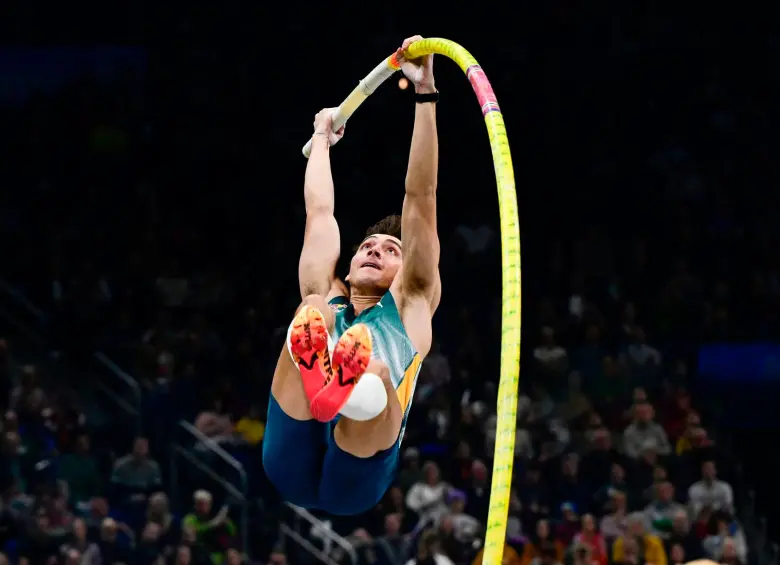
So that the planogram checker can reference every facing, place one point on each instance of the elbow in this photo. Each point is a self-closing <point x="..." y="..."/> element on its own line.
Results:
<point x="419" y="187"/>
<point x="319" y="208"/>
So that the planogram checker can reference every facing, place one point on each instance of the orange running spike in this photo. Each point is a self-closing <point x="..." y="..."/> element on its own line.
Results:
<point x="350" y="359"/>
<point x="309" y="346"/>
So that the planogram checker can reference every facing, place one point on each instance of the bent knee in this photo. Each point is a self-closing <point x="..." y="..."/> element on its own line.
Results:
<point x="379" y="368"/>
<point x="321" y="304"/>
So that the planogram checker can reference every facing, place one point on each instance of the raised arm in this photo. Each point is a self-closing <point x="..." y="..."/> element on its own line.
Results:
<point x="321" y="241"/>
<point x="418" y="218"/>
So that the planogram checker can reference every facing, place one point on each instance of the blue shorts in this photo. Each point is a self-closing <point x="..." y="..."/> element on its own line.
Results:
<point x="304" y="463"/>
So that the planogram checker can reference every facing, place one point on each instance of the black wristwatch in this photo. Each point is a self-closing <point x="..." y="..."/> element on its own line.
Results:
<point x="425" y="98"/>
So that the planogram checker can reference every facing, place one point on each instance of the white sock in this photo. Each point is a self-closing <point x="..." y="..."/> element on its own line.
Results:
<point x="368" y="399"/>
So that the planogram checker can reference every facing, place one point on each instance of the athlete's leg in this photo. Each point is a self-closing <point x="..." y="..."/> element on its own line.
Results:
<point x="362" y="457"/>
<point x="366" y="438"/>
<point x="294" y="443"/>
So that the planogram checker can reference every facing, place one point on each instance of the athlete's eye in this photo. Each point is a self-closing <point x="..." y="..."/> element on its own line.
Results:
<point x="391" y="250"/>
<point x="366" y="245"/>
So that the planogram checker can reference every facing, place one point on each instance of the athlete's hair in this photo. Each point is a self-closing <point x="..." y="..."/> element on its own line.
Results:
<point x="391" y="225"/>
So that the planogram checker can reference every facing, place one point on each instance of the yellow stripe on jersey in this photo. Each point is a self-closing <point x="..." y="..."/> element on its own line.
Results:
<point x="405" y="389"/>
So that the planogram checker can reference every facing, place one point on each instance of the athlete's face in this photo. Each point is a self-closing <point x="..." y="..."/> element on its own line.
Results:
<point x="376" y="263"/>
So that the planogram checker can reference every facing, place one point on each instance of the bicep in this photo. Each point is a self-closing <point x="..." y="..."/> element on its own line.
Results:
<point x="321" y="248"/>
<point x="421" y="248"/>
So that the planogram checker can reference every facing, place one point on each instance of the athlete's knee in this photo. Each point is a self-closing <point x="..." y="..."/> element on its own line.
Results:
<point x="380" y="368"/>
<point x="321" y="304"/>
<point x="371" y="396"/>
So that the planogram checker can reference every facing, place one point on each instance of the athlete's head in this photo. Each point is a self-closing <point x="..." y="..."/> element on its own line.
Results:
<point x="378" y="258"/>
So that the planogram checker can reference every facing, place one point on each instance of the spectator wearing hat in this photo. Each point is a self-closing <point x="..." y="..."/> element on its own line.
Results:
<point x="569" y="487"/>
<point x="568" y="527"/>
<point x="465" y="527"/>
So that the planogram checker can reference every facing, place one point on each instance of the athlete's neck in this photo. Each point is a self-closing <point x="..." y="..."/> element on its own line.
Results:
<point x="362" y="302"/>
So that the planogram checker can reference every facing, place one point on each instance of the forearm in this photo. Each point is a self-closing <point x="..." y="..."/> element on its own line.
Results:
<point x="318" y="183"/>
<point x="421" y="176"/>
<point x="321" y="242"/>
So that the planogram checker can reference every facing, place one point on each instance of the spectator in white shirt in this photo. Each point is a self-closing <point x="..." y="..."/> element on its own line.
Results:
<point x="428" y="497"/>
<point x="643" y="430"/>
<point x="709" y="491"/>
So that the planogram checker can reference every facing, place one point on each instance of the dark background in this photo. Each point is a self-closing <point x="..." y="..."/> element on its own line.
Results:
<point x="644" y="144"/>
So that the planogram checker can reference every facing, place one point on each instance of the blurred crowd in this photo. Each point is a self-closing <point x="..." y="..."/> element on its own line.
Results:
<point x="150" y="224"/>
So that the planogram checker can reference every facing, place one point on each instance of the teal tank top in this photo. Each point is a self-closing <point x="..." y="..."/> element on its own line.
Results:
<point x="390" y="343"/>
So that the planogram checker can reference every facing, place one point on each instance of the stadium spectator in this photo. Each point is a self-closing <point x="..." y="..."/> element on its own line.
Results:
<point x="392" y="546"/>
<point x="136" y="475"/>
<point x="191" y="548"/>
<point x="730" y="553"/>
<point x="88" y="551"/>
<point x="158" y="512"/>
<point x="677" y="554"/>
<point x="429" y="551"/>
<point x="569" y="525"/>
<point x="660" y="513"/>
<point x="216" y="531"/>
<point x="80" y="471"/>
<point x="644" y="432"/>
<point x="682" y="536"/>
<point x="427" y="497"/>
<point x="28" y="398"/>
<point x="251" y="426"/>
<point x="625" y="548"/>
<point x="540" y="540"/>
<point x="709" y="491"/>
<point x="615" y="524"/>
<point x="725" y="530"/>
<point x="410" y="471"/>
<point x="113" y="547"/>
<point x="590" y="538"/>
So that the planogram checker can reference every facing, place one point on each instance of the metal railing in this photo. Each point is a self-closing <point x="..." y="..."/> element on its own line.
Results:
<point x="129" y="400"/>
<point x="323" y="531"/>
<point x="208" y="471"/>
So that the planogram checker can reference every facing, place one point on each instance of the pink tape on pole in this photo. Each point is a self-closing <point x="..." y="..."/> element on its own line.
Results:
<point x="483" y="90"/>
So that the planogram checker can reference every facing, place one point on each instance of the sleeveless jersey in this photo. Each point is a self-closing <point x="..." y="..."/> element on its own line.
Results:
<point x="390" y="344"/>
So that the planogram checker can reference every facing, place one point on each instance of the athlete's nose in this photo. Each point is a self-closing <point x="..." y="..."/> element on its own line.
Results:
<point x="375" y="251"/>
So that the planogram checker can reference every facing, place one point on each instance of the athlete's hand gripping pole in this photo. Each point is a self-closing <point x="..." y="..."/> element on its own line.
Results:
<point x="363" y="90"/>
